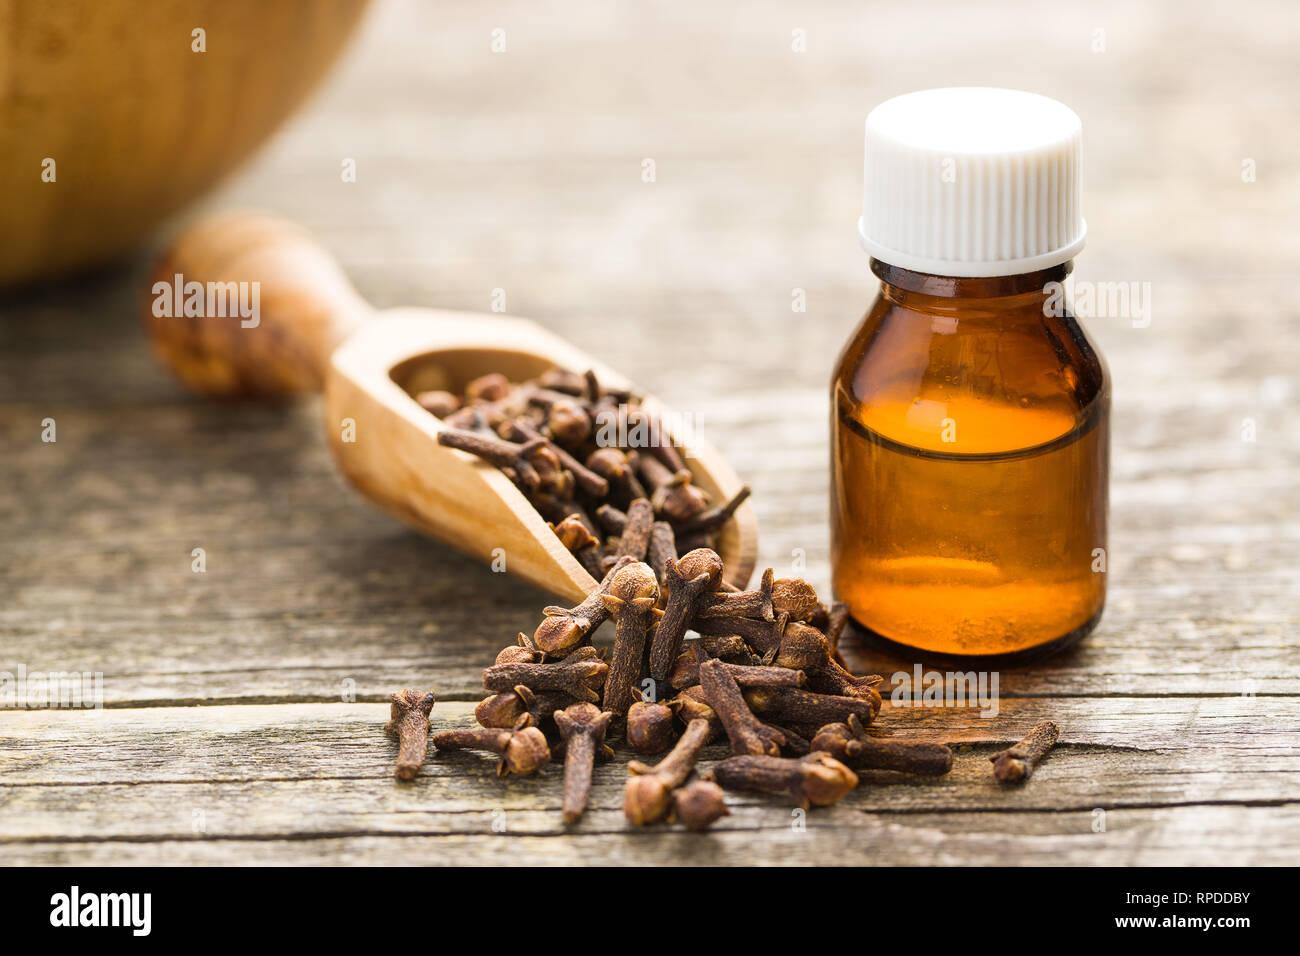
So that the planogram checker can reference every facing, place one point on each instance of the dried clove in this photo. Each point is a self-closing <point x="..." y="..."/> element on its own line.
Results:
<point x="730" y="648"/>
<point x="817" y="779"/>
<point x="568" y="423"/>
<point x="562" y="380"/>
<point x="748" y="604"/>
<point x="763" y="636"/>
<point x="686" y="669"/>
<point x="683" y="593"/>
<point x="506" y="709"/>
<point x="711" y="519"/>
<point x="523" y="749"/>
<point x="576" y="447"/>
<point x="848" y="743"/>
<point x="617" y="469"/>
<point x="661" y="549"/>
<point x="517" y="430"/>
<point x="663" y="449"/>
<point x="611" y="519"/>
<point x="649" y="727"/>
<point x="580" y="542"/>
<point x="488" y="388"/>
<point x="806" y="648"/>
<point x="796" y="744"/>
<point x="804" y="707"/>
<point x="578" y="675"/>
<point x="534" y="463"/>
<point x="649" y="790"/>
<point x="1017" y="763"/>
<point x="438" y="403"/>
<point x="671" y="491"/>
<point x="747" y="733"/>
<point x="690" y="705"/>
<point x="686" y="672"/>
<point x="633" y="591"/>
<point x="582" y="727"/>
<point x="796" y="597"/>
<point x="636" y="531"/>
<point x="409" y="722"/>
<point x="698" y="805"/>
<point x="702" y="561"/>
<point x="519" y="653"/>
<point x="565" y="628"/>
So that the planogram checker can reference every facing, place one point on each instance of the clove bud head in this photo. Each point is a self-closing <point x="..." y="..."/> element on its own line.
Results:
<point x="527" y="752"/>
<point x="610" y="463"/>
<point x="438" y="403"/>
<point x="491" y="387"/>
<point x="557" y="633"/>
<point x="701" y="561"/>
<point x="796" y="597"/>
<point x="698" y="804"/>
<point x="568" y="423"/>
<point x="517" y="654"/>
<point x="825" y="779"/>
<point x="649" y="727"/>
<point x="817" y="779"/>
<point x="802" y="647"/>
<point x="574" y="535"/>
<point x="646" y="799"/>
<point x="633" y="585"/>
<point x="506" y="709"/>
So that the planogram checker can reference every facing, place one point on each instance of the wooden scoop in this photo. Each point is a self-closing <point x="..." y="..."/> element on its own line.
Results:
<point x="314" y="331"/>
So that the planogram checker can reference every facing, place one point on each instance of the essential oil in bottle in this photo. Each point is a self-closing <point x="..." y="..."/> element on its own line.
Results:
<point x="970" y="411"/>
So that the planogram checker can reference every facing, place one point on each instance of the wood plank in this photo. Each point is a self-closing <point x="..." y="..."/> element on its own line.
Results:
<point x="1135" y="750"/>
<point x="305" y="782"/>
<point x="1182" y="836"/>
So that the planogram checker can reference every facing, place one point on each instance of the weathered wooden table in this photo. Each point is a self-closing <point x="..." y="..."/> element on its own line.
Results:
<point x="243" y="705"/>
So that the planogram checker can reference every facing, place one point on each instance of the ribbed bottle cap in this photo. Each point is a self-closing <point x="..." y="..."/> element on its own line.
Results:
<point x="971" y="181"/>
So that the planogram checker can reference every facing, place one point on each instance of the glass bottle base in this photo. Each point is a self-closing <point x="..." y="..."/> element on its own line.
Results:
<point x="1029" y="655"/>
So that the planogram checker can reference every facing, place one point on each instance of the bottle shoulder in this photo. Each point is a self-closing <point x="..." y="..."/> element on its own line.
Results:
<point x="970" y="377"/>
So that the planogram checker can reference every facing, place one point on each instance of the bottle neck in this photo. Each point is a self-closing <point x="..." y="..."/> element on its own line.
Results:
<point x="957" y="287"/>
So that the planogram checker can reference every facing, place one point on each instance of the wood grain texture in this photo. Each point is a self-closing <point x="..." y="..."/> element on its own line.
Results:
<point x="522" y="172"/>
<point x="314" y="782"/>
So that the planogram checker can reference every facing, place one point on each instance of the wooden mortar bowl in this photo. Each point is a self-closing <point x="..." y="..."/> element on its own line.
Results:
<point x="136" y="122"/>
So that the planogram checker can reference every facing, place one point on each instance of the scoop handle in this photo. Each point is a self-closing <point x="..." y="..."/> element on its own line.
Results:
<point x="249" y="304"/>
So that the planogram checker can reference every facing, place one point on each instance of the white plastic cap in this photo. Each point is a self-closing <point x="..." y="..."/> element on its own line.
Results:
<point x="971" y="181"/>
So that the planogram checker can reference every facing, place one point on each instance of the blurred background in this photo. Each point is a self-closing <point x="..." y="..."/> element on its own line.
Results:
<point x="502" y="146"/>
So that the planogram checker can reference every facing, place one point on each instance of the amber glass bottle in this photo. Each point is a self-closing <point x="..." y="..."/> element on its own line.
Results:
<point x="970" y="435"/>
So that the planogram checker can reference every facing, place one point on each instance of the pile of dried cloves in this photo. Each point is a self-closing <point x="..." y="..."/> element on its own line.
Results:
<point x="584" y="455"/>
<point x="764" y="670"/>
<point x="763" y="667"/>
